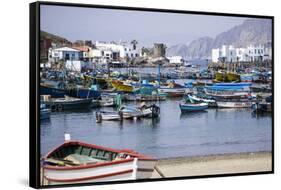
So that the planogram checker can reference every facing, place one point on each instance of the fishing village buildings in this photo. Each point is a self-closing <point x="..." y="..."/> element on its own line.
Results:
<point x="229" y="54"/>
<point x="79" y="55"/>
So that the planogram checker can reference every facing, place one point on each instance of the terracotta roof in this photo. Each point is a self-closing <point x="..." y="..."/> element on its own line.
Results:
<point x="82" y="48"/>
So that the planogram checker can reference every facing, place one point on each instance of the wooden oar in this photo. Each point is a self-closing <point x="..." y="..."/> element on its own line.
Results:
<point x="159" y="172"/>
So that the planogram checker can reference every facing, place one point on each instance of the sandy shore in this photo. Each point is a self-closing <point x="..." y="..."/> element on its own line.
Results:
<point x="216" y="164"/>
<point x="208" y="165"/>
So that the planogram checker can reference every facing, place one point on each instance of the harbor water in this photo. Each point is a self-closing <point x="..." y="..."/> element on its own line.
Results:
<point x="215" y="131"/>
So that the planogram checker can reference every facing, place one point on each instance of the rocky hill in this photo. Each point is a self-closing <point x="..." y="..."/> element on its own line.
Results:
<point x="251" y="31"/>
<point x="54" y="38"/>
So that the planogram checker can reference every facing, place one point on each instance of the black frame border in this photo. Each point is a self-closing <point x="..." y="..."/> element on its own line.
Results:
<point x="34" y="86"/>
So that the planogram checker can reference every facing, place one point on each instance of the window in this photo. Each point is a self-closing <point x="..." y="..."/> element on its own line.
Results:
<point x="136" y="55"/>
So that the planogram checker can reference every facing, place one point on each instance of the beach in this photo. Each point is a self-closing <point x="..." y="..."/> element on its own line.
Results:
<point x="214" y="164"/>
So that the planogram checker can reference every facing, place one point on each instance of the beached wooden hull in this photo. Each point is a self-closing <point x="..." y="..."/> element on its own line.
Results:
<point x="234" y="104"/>
<point x="137" y="166"/>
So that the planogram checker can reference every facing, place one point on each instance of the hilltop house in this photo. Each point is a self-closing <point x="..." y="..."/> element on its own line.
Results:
<point x="64" y="53"/>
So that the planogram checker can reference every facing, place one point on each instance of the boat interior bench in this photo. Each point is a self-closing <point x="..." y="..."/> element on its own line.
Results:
<point x="79" y="155"/>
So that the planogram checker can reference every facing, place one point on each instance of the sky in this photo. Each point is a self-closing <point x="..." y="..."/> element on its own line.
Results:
<point x="77" y="23"/>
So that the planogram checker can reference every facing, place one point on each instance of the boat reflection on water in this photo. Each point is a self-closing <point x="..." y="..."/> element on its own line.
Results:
<point x="188" y="115"/>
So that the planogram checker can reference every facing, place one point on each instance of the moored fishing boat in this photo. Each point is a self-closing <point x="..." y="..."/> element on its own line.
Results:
<point x="130" y="112"/>
<point x="172" y="89"/>
<point x="67" y="103"/>
<point x="195" y="98"/>
<point x="108" y="116"/>
<point x="261" y="107"/>
<point x="57" y="92"/>
<point x="227" y="94"/>
<point x="79" y="162"/>
<point x="44" y="112"/>
<point x="226" y="77"/>
<point x="232" y="84"/>
<point x="121" y="86"/>
<point x="190" y="107"/>
<point x="234" y="104"/>
<point x="151" y="111"/>
<point x="154" y="97"/>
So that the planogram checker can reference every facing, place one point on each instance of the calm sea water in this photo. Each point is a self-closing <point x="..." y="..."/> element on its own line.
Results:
<point x="216" y="131"/>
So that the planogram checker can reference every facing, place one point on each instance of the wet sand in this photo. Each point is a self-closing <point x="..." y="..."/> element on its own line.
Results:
<point x="215" y="164"/>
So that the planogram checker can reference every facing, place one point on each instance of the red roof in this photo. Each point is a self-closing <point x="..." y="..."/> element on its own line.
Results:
<point x="82" y="48"/>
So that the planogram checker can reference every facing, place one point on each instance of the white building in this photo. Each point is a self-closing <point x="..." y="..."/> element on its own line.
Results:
<point x="117" y="51"/>
<point x="64" y="53"/>
<point x="175" y="59"/>
<point x="78" y="65"/>
<point x="256" y="53"/>
<point x="230" y="54"/>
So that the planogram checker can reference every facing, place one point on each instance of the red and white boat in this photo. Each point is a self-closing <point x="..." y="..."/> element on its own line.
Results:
<point x="79" y="162"/>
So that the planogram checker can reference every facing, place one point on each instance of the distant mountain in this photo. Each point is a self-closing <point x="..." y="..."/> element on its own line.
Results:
<point x="54" y="38"/>
<point x="251" y="31"/>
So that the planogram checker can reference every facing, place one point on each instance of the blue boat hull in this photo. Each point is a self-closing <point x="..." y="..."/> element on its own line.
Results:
<point x="60" y="93"/>
<point x="191" y="108"/>
<point x="233" y="84"/>
<point x="45" y="114"/>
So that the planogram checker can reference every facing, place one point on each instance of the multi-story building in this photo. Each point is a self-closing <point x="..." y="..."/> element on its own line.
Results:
<point x="64" y="53"/>
<point x="228" y="54"/>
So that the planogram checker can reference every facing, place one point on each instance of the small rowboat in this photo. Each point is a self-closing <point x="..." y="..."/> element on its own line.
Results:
<point x="195" y="99"/>
<point x="130" y="112"/>
<point x="189" y="107"/>
<point x="107" y="116"/>
<point x="79" y="162"/>
<point x="234" y="104"/>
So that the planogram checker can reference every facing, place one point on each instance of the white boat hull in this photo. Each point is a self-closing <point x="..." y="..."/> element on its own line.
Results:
<point x="130" y="169"/>
<point x="234" y="104"/>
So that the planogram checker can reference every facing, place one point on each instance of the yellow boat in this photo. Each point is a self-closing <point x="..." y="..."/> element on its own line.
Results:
<point x="227" y="77"/>
<point x="120" y="86"/>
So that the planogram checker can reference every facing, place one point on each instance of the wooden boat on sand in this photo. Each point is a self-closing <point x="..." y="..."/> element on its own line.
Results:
<point x="78" y="162"/>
